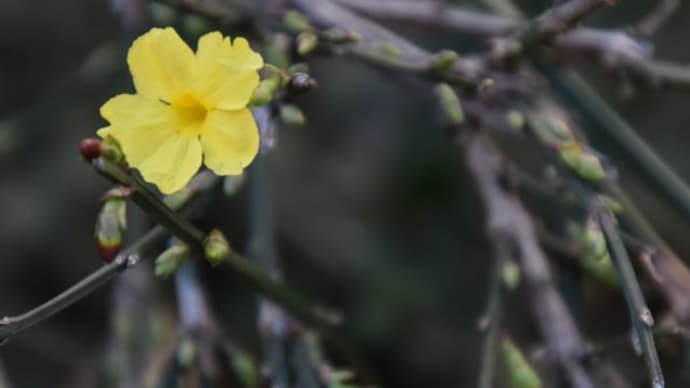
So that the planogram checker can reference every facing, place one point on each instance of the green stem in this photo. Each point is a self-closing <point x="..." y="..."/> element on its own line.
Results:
<point x="493" y="314"/>
<point x="600" y="113"/>
<point x="10" y="326"/>
<point x="640" y="315"/>
<point x="185" y="231"/>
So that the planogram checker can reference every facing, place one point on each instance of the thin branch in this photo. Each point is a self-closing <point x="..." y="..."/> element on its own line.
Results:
<point x="492" y="319"/>
<point x="640" y="315"/>
<point x="508" y="221"/>
<point x="663" y="11"/>
<point x="141" y="249"/>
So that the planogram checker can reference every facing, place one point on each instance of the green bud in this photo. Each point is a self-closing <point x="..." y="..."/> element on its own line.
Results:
<point x="246" y="370"/>
<point x="306" y="42"/>
<point x="168" y="262"/>
<point x="111" y="150"/>
<point x="520" y="372"/>
<point x="515" y="119"/>
<point x="195" y="25"/>
<point x="510" y="274"/>
<point x="292" y="115"/>
<point x="299" y="67"/>
<point x="232" y="184"/>
<point x="611" y="204"/>
<point x="263" y="94"/>
<point x="444" y="60"/>
<point x="110" y="226"/>
<point x="296" y="22"/>
<point x="341" y="36"/>
<point x="585" y="164"/>
<point x="450" y="103"/>
<point x="186" y="352"/>
<point x="595" y="258"/>
<point x="216" y="247"/>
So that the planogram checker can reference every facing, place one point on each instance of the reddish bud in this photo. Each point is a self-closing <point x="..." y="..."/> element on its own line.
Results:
<point x="90" y="148"/>
<point x="108" y="254"/>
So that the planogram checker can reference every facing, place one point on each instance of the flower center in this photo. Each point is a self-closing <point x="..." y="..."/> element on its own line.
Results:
<point x="189" y="112"/>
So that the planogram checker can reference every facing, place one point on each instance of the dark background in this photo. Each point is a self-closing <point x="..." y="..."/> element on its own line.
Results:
<point x="374" y="212"/>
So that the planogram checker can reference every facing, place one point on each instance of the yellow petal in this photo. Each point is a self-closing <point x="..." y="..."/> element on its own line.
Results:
<point x="226" y="74"/>
<point x="230" y="141"/>
<point x="160" y="63"/>
<point x="138" y="123"/>
<point x="150" y="142"/>
<point x="174" y="162"/>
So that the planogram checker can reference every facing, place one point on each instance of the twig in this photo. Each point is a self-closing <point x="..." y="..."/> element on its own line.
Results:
<point x="595" y="109"/>
<point x="663" y="10"/>
<point x="640" y="315"/>
<point x="142" y="248"/>
<point x="4" y="382"/>
<point x="557" y="19"/>
<point x="508" y="221"/>
<point x="10" y="326"/>
<point x="490" y="349"/>
<point x="611" y="44"/>
<point x="278" y="292"/>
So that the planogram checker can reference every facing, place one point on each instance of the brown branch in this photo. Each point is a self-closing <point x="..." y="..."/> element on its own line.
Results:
<point x="610" y="44"/>
<point x="508" y="223"/>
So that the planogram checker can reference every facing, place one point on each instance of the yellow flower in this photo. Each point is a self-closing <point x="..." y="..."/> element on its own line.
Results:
<point x="186" y="105"/>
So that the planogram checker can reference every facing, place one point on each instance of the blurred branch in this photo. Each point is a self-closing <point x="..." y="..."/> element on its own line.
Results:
<point x="492" y="319"/>
<point x="213" y="352"/>
<point x="509" y="223"/>
<point x="4" y="382"/>
<point x="662" y="11"/>
<point x="142" y="248"/>
<point x="640" y="315"/>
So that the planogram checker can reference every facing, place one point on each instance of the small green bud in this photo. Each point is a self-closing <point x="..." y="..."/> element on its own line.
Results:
<point x="585" y="164"/>
<point x="111" y="150"/>
<point x="232" y="184"/>
<point x="292" y="115"/>
<point x="520" y="372"/>
<point x="186" y="352"/>
<point x="450" y="103"/>
<point x="195" y="25"/>
<point x="299" y="67"/>
<point x="443" y="60"/>
<point x="296" y="22"/>
<point x="246" y="370"/>
<point x="306" y="42"/>
<point x="595" y="256"/>
<point x="389" y="50"/>
<point x="515" y="119"/>
<point x="110" y="226"/>
<point x="341" y="36"/>
<point x="216" y="247"/>
<point x="168" y="262"/>
<point x="510" y="274"/>
<point x="611" y="204"/>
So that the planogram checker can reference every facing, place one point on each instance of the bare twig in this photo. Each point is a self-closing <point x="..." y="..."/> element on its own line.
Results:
<point x="492" y="319"/>
<point x="9" y="326"/>
<point x="640" y="315"/>
<point x="663" y="10"/>
<point x="509" y="222"/>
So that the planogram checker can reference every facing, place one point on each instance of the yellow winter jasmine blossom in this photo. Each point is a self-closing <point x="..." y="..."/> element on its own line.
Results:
<point x="186" y="105"/>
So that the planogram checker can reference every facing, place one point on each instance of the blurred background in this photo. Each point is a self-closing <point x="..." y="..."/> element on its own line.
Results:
<point x="374" y="212"/>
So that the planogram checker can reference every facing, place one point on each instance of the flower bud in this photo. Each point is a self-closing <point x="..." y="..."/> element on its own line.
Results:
<point x="171" y="259"/>
<point x="520" y="372"/>
<point x="450" y="103"/>
<point x="90" y="148"/>
<point x="292" y="115"/>
<point x="296" y="22"/>
<point x="444" y="60"/>
<point x="301" y="82"/>
<point x="216" y="247"/>
<point x="306" y="42"/>
<point x="341" y="36"/>
<point x="110" y="227"/>
<point x="584" y="163"/>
